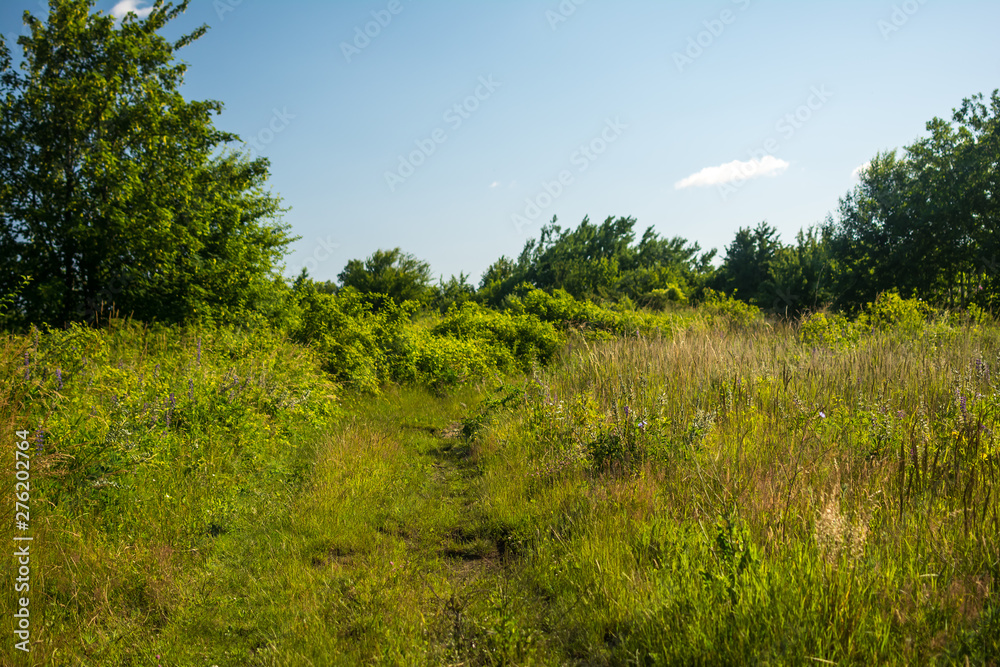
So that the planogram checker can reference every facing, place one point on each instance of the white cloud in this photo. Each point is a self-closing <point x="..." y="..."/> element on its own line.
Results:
<point x="734" y="171"/>
<point x="859" y="169"/>
<point x="495" y="184"/>
<point x="126" y="6"/>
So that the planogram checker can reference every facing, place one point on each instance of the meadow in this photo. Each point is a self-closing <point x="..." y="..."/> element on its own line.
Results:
<point x="557" y="483"/>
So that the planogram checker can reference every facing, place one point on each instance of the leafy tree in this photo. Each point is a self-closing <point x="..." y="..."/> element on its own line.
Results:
<point x="746" y="266"/>
<point x="798" y="276"/>
<point x="667" y="264"/>
<point x="926" y="222"/>
<point x="114" y="188"/>
<point x="453" y="292"/>
<point x="498" y="281"/>
<point x="398" y="275"/>
<point x="599" y="262"/>
<point x="586" y="261"/>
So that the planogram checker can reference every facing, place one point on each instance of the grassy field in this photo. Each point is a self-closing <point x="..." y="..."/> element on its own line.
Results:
<point x="726" y="491"/>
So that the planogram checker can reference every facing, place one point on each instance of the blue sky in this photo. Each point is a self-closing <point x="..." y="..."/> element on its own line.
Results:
<point x="456" y="130"/>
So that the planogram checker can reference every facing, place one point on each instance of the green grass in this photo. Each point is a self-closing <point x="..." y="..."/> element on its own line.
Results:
<point x="727" y="497"/>
<point x="724" y="490"/>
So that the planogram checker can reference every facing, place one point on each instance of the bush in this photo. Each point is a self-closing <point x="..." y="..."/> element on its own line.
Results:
<point x="353" y="333"/>
<point x="889" y="311"/>
<point x="367" y="340"/>
<point x="828" y="329"/>
<point x="736" y="313"/>
<point x="658" y="299"/>
<point x="525" y="337"/>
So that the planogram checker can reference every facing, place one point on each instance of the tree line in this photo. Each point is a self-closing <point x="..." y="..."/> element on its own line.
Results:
<point x="117" y="192"/>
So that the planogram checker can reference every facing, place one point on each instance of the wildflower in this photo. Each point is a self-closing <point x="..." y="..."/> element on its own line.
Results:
<point x="59" y="378"/>
<point x="27" y="367"/>
<point x="822" y="415"/>
<point x="190" y="389"/>
<point x="626" y="411"/>
<point x="641" y="425"/>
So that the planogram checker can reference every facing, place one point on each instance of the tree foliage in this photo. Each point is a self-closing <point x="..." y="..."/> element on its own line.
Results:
<point x="115" y="189"/>
<point x="926" y="221"/>
<point x="394" y="273"/>
<point x="600" y="262"/>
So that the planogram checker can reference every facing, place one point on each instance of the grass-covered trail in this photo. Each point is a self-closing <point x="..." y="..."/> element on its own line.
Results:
<point x="383" y="558"/>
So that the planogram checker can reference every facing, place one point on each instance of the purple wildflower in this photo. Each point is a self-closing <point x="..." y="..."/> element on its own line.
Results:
<point x="626" y="411"/>
<point x="27" y="367"/>
<point x="190" y="389"/>
<point x="59" y="378"/>
<point x="822" y="415"/>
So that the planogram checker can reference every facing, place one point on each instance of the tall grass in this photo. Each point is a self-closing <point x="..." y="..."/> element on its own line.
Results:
<point x="734" y="495"/>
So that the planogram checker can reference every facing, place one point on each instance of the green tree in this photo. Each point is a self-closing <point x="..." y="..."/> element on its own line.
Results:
<point x="398" y="275"/>
<point x="599" y="262"/>
<point x="115" y="189"/>
<point x="747" y="264"/>
<point x="453" y="292"/>
<point x="798" y="276"/>
<point x="498" y="281"/>
<point x="926" y="222"/>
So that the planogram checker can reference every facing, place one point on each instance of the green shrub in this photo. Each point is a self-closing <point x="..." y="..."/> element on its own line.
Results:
<point x="828" y="329"/>
<point x="889" y="311"/>
<point x="736" y="313"/>
<point x="523" y="336"/>
<point x="354" y="334"/>
<point x="659" y="299"/>
<point x="368" y="340"/>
